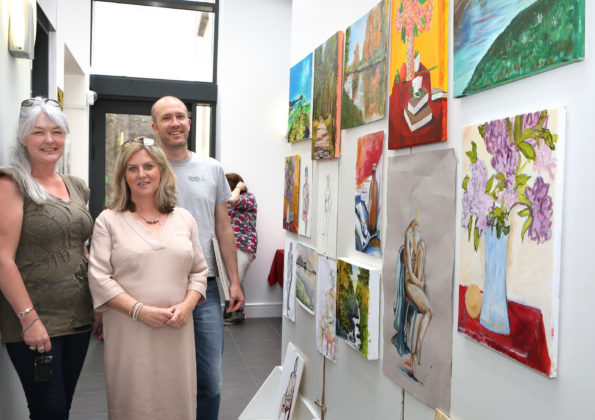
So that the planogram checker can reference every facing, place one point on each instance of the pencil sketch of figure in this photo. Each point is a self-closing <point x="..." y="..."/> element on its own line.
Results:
<point x="306" y="201"/>
<point x="289" y="279"/>
<point x="287" y="398"/>
<point x="328" y="204"/>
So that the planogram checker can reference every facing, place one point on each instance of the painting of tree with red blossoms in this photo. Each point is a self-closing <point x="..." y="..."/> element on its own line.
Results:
<point x="418" y="73"/>
<point x="511" y="236"/>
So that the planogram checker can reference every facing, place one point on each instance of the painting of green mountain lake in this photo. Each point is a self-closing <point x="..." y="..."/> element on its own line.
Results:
<point x="501" y="41"/>
<point x="365" y="67"/>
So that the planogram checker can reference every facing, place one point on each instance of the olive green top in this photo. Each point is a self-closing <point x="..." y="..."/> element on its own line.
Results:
<point x="51" y="261"/>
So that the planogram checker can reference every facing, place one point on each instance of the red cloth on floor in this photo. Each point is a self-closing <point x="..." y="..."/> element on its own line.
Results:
<point x="276" y="273"/>
<point x="526" y="341"/>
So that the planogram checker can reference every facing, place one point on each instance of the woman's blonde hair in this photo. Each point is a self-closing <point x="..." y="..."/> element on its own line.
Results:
<point x="165" y="197"/>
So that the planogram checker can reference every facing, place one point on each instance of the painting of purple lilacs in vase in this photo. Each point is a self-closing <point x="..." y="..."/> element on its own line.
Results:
<point x="510" y="235"/>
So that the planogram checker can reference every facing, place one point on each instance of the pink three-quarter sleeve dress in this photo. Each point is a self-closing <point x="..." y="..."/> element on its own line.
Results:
<point x="150" y="372"/>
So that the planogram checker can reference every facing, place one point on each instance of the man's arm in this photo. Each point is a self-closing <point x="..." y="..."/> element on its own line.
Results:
<point x="227" y="243"/>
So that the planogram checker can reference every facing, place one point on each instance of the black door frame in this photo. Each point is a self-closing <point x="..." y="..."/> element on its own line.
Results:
<point x="40" y="80"/>
<point x="130" y="95"/>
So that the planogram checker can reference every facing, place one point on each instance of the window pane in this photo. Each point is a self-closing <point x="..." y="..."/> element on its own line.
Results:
<point x="153" y="42"/>
<point x="202" y="125"/>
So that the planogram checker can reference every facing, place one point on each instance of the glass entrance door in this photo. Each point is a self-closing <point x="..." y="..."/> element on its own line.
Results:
<point x="118" y="129"/>
<point x="112" y="122"/>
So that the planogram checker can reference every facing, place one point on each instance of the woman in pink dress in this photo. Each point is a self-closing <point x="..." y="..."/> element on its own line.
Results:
<point x="147" y="272"/>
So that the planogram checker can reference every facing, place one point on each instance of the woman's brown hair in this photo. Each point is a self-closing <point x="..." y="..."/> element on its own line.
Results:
<point x="233" y="179"/>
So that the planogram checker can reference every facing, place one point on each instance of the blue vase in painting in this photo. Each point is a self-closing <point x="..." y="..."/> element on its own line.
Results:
<point x="494" y="307"/>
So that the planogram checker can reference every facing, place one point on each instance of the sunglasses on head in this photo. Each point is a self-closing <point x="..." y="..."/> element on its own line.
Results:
<point x="27" y="103"/>
<point x="145" y="141"/>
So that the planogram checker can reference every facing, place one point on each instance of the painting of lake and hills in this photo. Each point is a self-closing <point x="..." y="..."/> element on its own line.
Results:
<point x="365" y="68"/>
<point x="500" y="41"/>
<point x="305" y="287"/>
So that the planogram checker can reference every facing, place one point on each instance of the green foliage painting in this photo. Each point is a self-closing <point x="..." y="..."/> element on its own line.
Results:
<point x="358" y="292"/>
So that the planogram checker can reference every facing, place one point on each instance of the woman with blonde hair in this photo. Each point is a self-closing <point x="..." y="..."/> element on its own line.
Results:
<point x="46" y="314"/>
<point x="147" y="272"/>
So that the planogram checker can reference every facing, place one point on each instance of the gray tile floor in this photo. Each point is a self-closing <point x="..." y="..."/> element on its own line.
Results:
<point x="252" y="349"/>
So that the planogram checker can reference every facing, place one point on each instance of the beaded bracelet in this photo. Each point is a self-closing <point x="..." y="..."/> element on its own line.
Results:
<point x="28" y="325"/>
<point x="22" y="314"/>
<point x="137" y="311"/>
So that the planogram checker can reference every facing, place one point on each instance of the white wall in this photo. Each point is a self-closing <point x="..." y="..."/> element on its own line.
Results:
<point x="485" y="385"/>
<point x="253" y="80"/>
<point x="74" y="30"/>
<point x="15" y="82"/>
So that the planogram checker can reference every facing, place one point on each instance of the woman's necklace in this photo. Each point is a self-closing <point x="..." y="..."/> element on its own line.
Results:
<point x="146" y="219"/>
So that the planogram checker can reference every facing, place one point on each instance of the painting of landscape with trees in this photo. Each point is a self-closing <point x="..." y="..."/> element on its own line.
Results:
<point x="358" y="312"/>
<point x="326" y="120"/>
<point x="300" y="100"/>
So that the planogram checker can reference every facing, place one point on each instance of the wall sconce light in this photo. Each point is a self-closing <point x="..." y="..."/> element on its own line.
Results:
<point x="21" y="29"/>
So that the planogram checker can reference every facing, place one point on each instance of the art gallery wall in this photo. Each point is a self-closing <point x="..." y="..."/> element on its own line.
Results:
<point x="485" y="385"/>
<point x="253" y="80"/>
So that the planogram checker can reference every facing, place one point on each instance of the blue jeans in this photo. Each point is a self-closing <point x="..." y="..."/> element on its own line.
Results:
<point x="208" y="340"/>
<point x="51" y="400"/>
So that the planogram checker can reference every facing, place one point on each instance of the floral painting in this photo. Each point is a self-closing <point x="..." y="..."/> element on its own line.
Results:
<point x="306" y="264"/>
<point x="291" y="194"/>
<point x="418" y="73"/>
<point x="326" y="114"/>
<point x="365" y="68"/>
<point x="300" y="101"/>
<point x="368" y="190"/>
<point x="358" y="311"/>
<point x="500" y="41"/>
<point x="511" y="222"/>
